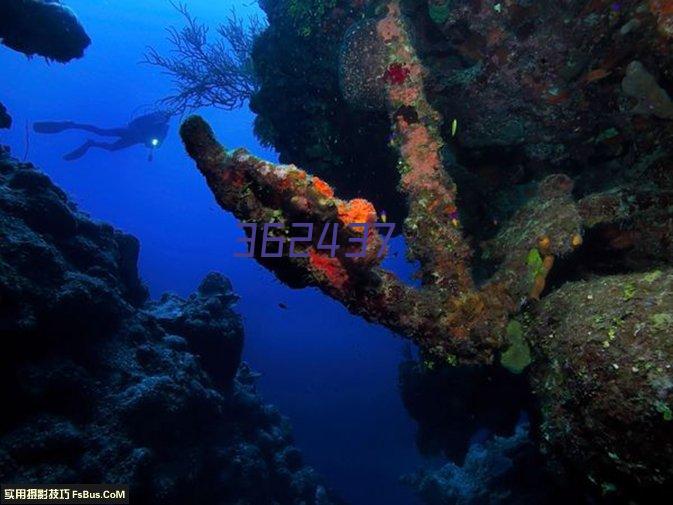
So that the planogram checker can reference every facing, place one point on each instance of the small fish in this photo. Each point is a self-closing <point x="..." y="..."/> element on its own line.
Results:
<point x="597" y="75"/>
<point x="454" y="127"/>
<point x="282" y="305"/>
<point x="383" y="216"/>
<point x="454" y="216"/>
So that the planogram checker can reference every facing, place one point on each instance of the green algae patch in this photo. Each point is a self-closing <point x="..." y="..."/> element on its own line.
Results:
<point x="652" y="276"/>
<point x="439" y="12"/>
<point x="661" y="321"/>
<point x="517" y="356"/>
<point x="664" y="410"/>
<point x="535" y="264"/>
<point x="629" y="292"/>
<point x="608" y="134"/>
<point x="309" y="14"/>
<point x="534" y="261"/>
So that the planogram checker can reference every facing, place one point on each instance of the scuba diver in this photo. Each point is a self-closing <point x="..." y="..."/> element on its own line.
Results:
<point x="150" y="130"/>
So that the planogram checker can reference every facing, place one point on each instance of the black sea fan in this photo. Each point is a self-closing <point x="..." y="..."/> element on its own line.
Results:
<point x="205" y="73"/>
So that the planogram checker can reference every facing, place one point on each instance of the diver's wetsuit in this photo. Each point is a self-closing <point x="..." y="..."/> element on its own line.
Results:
<point x="150" y="130"/>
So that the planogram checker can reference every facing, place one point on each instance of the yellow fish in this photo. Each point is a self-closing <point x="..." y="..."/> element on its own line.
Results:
<point x="454" y="127"/>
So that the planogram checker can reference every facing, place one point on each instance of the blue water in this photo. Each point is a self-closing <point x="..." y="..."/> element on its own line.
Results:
<point x="332" y="373"/>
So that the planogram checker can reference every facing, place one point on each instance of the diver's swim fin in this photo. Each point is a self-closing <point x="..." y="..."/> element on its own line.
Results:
<point x="52" y="126"/>
<point x="79" y="152"/>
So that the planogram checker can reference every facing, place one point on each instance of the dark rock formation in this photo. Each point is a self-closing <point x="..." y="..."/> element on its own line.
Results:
<point x="213" y="331"/>
<point x="604" y="380"/>
<point x="450" y="404"/>
<point x="99" y="387"/>
<point x="5" y="118"/>
<point x="301" y="110"/>
<point x="532" y="92"/>
<point x="43" y="27"/>
<point x="526" y="90"/>
<point x="503" y="470"/>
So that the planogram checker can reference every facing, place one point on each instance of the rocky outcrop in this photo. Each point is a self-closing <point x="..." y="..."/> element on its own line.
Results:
<point x="101" y="386"/>
<point x="312" y="125"/>
<point x="604" y="381"/>
<point x="42" y="27"/>
<point x="504" y="470"/>
<point x="206" y="320"/>
<point x="531" y="94"/>
<point x="557" y="133"/>
<point x="451" y="404"/>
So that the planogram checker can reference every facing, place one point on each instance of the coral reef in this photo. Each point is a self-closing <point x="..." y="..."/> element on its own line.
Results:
<point x="530" y="143"/>
<point x="259" y="191"/>
<point x="532" y="83"/>
<point x="504" y="470"/>
<point x="534" y="87"/>
<point x="206" y="321"/>
<point x="43" y="27"/>
<point x="472" y="327"/>
<point x="302" y="112"/>
<point x="604" y="374"/>
<point x="5" y="118"/>
<point x="101" y="386"/>
<point x="451" y="404"/>
<point x="362" y="61"/>
<point x="470" y="322"/>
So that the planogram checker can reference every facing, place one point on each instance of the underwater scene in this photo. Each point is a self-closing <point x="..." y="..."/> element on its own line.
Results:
<point x="329" y="252"/>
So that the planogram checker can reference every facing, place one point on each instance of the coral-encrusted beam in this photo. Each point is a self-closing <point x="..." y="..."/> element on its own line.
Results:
<point x="463" y="328"/>
<point x="433" y="226"/>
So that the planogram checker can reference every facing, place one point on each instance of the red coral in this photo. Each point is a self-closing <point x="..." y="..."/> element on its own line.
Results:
<point x="331" y="268"/>
<point x="396" y="74"/>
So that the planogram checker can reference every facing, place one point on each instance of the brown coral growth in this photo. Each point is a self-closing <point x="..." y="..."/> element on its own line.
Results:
<point x="449" y="317"/>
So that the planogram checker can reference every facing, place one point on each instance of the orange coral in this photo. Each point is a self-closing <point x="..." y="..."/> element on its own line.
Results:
<point x="576" y="241"/>
<point x="322" y="187"/>
<point x="421" y="152"/>
<point x="357" y="210"/>
<point x="538" y="287"/>
<point x="388" y="28"/>
<point x="298" y="174"/>
<point x="330" y="268"/>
